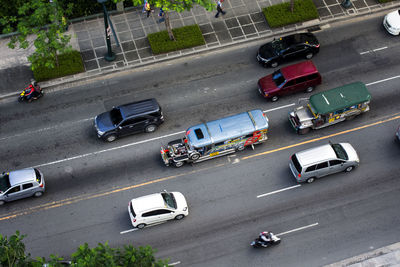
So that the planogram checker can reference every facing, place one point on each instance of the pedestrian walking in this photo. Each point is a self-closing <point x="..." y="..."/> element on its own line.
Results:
<point x="161" y="15"/>
<point x="144" y="7"/>
<point x="148" y="9"/>
<point x="219" y="8"/>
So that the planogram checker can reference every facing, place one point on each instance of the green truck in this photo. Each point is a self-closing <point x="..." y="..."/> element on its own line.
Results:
<point x="330" y="107"/>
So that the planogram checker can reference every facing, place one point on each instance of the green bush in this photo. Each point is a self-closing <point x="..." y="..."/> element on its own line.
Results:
<point x="69" y="63"/>
<point x="280" y="15"/>
<point x="185" y="37"/>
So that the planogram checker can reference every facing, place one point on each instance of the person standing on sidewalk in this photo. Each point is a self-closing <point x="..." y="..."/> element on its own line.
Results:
<point x="161" y="15"/>
<point x="148" y="8"/>
<point x="219" y="8"/>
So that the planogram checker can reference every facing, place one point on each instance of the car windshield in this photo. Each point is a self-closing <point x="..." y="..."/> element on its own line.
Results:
<point x="4" y="182"/>
<point x="339" y="151"/>
<point x="278" y="78"/>
<point x="169" y="199"/>
<point x="116" y="116"/>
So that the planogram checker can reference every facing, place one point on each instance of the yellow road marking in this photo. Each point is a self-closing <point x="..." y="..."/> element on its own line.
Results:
<point x="72" y="200"/>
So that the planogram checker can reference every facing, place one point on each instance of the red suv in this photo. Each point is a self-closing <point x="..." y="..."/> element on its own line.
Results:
<point x="302" y="76"/>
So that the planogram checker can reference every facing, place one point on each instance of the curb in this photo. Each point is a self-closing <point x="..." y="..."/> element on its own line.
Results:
<point x="56" y="85"/>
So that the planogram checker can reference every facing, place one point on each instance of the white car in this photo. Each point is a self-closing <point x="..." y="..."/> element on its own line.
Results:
<point x="391" y="22"/>
<point x="158" y="207"/>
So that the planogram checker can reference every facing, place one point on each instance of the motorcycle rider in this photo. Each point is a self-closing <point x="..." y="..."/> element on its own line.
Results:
<point x="33" y="90"/>
<point x="265" y="238"/>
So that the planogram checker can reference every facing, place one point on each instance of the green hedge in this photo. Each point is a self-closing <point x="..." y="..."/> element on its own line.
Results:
<point x="185" y="37"/>
<point x="70" y="63"/>
<point x="280" y="15"/>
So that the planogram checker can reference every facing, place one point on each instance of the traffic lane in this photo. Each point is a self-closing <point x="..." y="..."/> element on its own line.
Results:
<point x="96" y="172"/>
<point x="218" y="198"/>
<point x="43" y="146"/>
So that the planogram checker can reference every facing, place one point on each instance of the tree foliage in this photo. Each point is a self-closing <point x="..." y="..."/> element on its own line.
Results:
<point x="12" y="250"/>
<point x="175" y="5"/>
<point x="46" y="23"/>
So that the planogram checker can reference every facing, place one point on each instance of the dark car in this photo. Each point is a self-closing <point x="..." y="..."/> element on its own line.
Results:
<point x="298" y="77"/>
<point x="288" y="48"/>
<point x="141" y="116"/>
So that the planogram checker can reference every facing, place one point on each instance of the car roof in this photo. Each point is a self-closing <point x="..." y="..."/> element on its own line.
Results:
<point x="139" y="108"/>
<point x="299" y="69"/>
<point x="316" y="154"/>
<point x="227" y="128"/>
<point x="298" y="38"/>
<point x="22" y="176"/>
<point x="149" y="202"/>
<point x="339" y="98"/>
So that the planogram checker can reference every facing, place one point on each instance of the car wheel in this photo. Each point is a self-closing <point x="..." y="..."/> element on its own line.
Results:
<point x="38" y="194"/>
<point x="179" y="217"/>
<point x="309" y="55"/>
<point x="240" y="148"/>
<point x="274" y="98"/>
<point x="310" y="89"/>
<point x="2" y="202"/>
<point x="141" y="226"/>
<point x="111" y="138"/>
<point x="349" y="169"/>
<point x="274" y="64"/>
<point x="150" y="128"/>
<point x="304" y="130"/>
<point x="310" y="180"/>
<point x="194" y="156"/>
<point x="178" y="164"/>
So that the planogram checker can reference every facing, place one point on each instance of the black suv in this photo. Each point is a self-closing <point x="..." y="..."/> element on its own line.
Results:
<point x="141" y="116"/>
<point x="288" y="48"/>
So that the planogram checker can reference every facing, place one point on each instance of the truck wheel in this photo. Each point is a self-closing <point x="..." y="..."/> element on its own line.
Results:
<point x="309" y="89"/>
<point x="194" y="156"/>
<point x="304" y="130"/>
<point x="178" y="164"/>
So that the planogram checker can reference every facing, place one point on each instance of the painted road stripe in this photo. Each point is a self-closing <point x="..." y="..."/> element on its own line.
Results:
<point x="298" y="229"/>
<point x="373" y="50"/>
<point x="384" y="80"/>
<point x="60" y="203"/>
<point x="127" y="231"/>
<point x="174" y="263"/>
<point x="272" y="109"/>
<point x="278" y="191"/>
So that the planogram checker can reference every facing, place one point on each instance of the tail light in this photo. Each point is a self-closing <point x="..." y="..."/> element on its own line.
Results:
<point x="41" y="185"/>
<point x="299" y="175"/>
<point x="317" y="46"/>
<point x="134" y="220"/>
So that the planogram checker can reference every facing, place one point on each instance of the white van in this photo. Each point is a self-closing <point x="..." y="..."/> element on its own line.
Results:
<point x="323" y="160"/>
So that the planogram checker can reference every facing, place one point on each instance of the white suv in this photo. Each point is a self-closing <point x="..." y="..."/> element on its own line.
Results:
<point x="391" y="22"/>
<point x="158" y="207"/>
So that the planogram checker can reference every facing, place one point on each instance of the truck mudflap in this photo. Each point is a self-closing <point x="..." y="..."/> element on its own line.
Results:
<point x="164" y="156"/>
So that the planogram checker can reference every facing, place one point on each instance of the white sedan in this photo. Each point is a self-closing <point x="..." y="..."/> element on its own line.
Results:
<point x="391" y="22"/>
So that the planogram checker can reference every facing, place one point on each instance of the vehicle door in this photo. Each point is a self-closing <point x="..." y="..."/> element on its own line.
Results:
<point x="289" y="53"/>
<point x="165" y="215"/>
<point x="150" y="217"/>
<point x="322" y="169"/>
<point x="337" y="165"/>
<point x="288" y="87"/>
<point x="301" y="84"/>
<point x="13" y="193"/>
<point x="27" y="190"/>
<point x="133" y="125"/>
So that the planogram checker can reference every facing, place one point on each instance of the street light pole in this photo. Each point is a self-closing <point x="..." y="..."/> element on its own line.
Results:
<point x="110" y="56"/>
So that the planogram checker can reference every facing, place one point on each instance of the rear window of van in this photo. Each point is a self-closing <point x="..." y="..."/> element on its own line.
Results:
<point x="296" y="163"/>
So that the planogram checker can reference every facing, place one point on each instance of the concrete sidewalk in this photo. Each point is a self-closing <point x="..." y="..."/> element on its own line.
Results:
<point x="388" y="256"/>
<point x="242" y="22"/>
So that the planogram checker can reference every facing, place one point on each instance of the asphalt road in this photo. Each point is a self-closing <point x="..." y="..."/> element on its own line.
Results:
<point x="89" y="183"/>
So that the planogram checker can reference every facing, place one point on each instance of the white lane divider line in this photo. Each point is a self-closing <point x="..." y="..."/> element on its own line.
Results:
<point x="278" y="191"/>
<point x="373" y="50"/>
<point x="127" y="231"/>
<point x="285" y="106"/>
<point x="384" y="80"/>
<point x="298" y="229"/>
<point x="380" y="48"/>
<point x="174" y="263"/>
<point x="105" y="150"/>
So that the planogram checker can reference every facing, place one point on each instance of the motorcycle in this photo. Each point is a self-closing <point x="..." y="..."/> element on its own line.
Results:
<point x="23" y="96"/>
<point x="259" y="243"/>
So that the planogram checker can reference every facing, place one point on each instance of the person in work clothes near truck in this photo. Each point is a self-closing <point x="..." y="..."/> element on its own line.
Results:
<point x="219" y="8"/>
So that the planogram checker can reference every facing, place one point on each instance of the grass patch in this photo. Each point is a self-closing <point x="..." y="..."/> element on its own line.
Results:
<point x="280" y="15"/>
<point x="185" y="37"/>
<point x="69" y="63"/>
